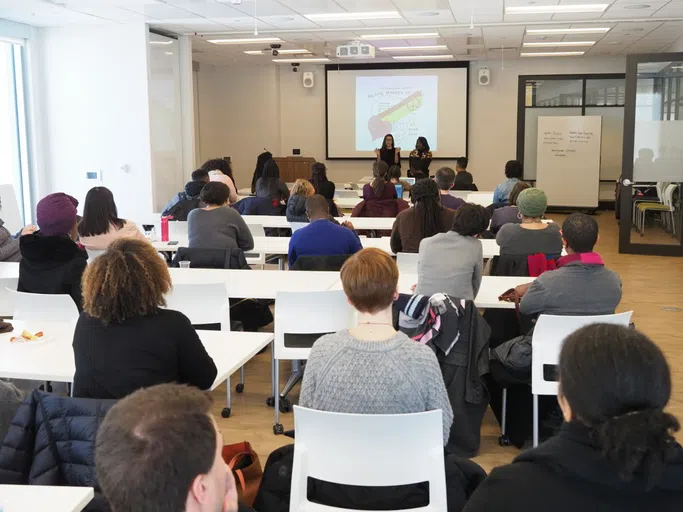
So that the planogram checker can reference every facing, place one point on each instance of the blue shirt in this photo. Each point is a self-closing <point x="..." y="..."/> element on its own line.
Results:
<point x="322" y="238"/>
<point x="502" y="192"/>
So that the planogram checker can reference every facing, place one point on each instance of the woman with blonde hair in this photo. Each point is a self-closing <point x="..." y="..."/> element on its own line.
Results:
<point x="296" y="204"/>
<point x="124" y="339"/>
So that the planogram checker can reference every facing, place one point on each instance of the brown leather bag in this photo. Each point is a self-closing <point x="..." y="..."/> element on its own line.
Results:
<point x="245" y="465"/>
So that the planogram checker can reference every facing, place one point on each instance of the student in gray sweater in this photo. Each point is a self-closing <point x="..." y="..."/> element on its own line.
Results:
<point x="217" y="226"/>
<point x="581" y="285"/>
<point x="372" y="368"/>
<point x="452" y="262"/>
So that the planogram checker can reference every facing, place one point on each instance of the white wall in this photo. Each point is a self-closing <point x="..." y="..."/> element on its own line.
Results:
<point x="243" y="109"/>
<point x="93" y="113"/>
<point x="677" y="46"/>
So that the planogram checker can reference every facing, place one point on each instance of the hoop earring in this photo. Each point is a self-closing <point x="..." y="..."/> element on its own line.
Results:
<point x="519" y="216"/>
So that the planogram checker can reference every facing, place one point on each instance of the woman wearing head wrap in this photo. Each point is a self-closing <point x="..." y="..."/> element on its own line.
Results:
<point x="532" y="235"/>
<point x="426" y="218"/>
<point x="52" y="261"/>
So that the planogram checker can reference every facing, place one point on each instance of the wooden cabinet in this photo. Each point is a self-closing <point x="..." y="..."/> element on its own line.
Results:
<point x="294" y="167"/>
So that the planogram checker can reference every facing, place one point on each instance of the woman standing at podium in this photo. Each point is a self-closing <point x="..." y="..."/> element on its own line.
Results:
<point x="388" y="153"/>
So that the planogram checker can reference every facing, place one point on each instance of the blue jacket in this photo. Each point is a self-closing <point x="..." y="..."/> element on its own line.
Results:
<point x="322" y="238"/>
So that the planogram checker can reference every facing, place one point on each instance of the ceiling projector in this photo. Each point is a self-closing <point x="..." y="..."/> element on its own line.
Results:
<point x="356" y="50"/>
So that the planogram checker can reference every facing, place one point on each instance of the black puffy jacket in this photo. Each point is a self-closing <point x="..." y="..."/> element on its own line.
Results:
<point x="52" y="442"/>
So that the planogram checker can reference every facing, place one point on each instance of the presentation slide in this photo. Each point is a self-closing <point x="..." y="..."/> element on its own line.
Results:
<point x="364" y="105"/>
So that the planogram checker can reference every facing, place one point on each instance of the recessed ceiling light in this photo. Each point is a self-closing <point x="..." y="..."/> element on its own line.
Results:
<point x="561" y="43"/>
<point x="420" y="35"/>
<point x="422" y="57"/>
<point x="342" y="16"/>
<point x="555" y="9"/>
<point x="676" y="67"/>
<point x="254" y="52"/>
<point x="587" y="30"/>
<point x="168" y="53"/>
<point x="428" y="13"/>
<point x="413" y="48"/>
<point x="248" y="40"/>
<point x="637" y="6"/>
<point x="551" y="54"/>
<point x="282" y="52"/>
<point x="161" y="42"/>
<point x="302" y="61"/>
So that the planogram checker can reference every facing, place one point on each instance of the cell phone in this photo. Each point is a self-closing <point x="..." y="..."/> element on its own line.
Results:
<point x="173" y="242"/>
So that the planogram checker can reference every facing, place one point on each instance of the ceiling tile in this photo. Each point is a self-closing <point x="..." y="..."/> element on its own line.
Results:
<point x="427" y="5"/>
<point x="312" y="6"/>
<point x="429" y="17"/>
<point x="367" y="5"/>
<point x="263" y="8"/>
<point x="294" y="21"/>
<point x="517" y="18"/>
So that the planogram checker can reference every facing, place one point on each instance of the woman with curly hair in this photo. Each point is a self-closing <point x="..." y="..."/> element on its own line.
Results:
<point x="616" y="451"/>
<point x="124" y="339"/>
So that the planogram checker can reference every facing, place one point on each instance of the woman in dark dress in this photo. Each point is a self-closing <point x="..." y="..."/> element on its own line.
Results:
<point x="388" y="153"/>
<point x="420" y="157"/>
<point x="323" y="186"/>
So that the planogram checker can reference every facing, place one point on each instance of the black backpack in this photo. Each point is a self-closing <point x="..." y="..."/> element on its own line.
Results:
<point x="182" y="208"/>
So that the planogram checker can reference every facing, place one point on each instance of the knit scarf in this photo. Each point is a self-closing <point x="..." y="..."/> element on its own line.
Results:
<point x="587" y="258"/>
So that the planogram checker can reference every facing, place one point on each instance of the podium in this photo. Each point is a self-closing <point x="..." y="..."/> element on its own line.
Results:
<point x="294" y="167"/>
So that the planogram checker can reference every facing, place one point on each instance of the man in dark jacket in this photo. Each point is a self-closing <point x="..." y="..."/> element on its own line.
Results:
<point x="52" y="262"/>
<point x="160" y="449"/>
<point x="184" y="202"/>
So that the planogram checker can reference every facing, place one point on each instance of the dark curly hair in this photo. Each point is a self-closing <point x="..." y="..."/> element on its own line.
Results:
<point x="128" y="280"/>
<point x="425" y="195"/>
<point x="471" y="219"/>
<point x="514" y="169"/>
<point x="617" y="382"/>
<point x="215" y="193"/>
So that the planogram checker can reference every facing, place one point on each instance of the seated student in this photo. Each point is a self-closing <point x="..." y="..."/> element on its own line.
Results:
<point x="421" y="157"/>
<point x="160" y="449"/>
<point x="379" y="188"/>
<point x="463" y="178"/>
<point x="269" y="185"/>
<point x="321" y="184"/>
<point x="296" y="204"/>
<point x="394" y="175"/>
<point x="221" y="170"/>
<point x="258" y="172"/>
<point x="124" y="339"/>
<point x="100" y="224"/>
<point x="52" y="262"/>
<point x="321" y="237"/>
<point x="532" y="235"/>
<point x="444" y="178"/>
<point x="372" y="368"/>
<point x="9" y="244"/>
<point x="513" y="173"/>
<point x="426" y="218"/>
<point x="616" y="451"/>
<point x="217" y="226"/>
<point x="186" y="201"/>
<point x="581" y="285"/>
<point x="508" y="214"/>
<point x="452" y="262"/>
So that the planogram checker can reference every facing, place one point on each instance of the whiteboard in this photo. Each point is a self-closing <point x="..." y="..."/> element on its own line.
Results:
<point x="568" y="160"/>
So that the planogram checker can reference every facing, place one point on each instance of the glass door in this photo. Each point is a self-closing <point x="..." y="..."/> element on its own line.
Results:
<point x="652" y="186"/>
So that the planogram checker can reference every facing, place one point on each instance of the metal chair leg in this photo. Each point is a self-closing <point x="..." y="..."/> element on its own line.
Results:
<point x="277" y="426"/>
<point x="503" y="413"/>
<point x="535" y="421"/>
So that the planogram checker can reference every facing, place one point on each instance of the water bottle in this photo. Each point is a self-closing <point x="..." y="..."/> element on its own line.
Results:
<point x="164" y="228"/>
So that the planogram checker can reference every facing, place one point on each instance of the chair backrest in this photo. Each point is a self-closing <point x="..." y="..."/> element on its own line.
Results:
<point x="309" y="313"/>
<point x="201" y="303"/>
<point x="549" y="335"/>
<point x="256" y="230"/>
<point x="407" y="262"/>
<point x="297" y="225"/>
<point x="7" y="287"/>
<point x="29" y="307"/>
<point x="177" y="230"/>
<point x="256" y="258"/>
<point x="460" y="194"/>
<point x="377" y="450"/>
<point x="669" y="195"/>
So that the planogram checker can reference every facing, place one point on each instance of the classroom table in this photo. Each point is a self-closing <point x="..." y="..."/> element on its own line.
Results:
<point x="33" y="498"/>
<point x="257" y="284"/>
<point x="278" y="221"/>
<point x="52" y="359"/>
<point x="489" y="291"/>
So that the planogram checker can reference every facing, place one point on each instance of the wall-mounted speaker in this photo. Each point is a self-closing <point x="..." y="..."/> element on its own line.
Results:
<point x="307" y="79"/>
<point x="484" y="76"/>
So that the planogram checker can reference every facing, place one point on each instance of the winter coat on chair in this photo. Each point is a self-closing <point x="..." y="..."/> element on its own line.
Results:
<point x="459" y="336"/>
<point x="52" y="442"/>
<point x="296" y="209"/>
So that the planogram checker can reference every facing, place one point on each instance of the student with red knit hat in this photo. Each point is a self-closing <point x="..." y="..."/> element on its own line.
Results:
<point x="52" y="261"/>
